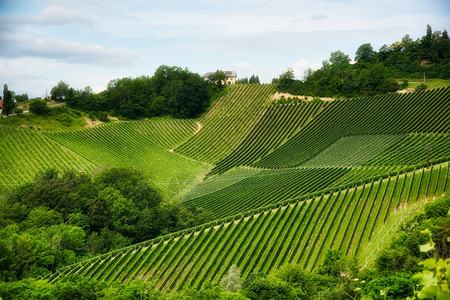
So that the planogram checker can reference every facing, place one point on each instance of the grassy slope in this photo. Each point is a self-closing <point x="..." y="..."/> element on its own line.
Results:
<point x="61" y="118"/>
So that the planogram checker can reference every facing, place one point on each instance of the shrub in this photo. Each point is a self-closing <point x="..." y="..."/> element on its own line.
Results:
<point x="421" y="87"/>
<point x="39" y="107"/>
<point x="102" y="116"/>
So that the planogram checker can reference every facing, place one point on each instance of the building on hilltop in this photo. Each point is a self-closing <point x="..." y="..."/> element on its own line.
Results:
<point x="230" y="77"/>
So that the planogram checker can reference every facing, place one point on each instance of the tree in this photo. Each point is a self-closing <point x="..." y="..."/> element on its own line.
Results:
<point x="339" y="59"/>
<point x="8" y="101"/>
<point x="365" y="53"/>
<point x="232" y="281"/>
<point x="254" y="79"/>
<point x="60" y="92"/>
<point x="21" y="98"/>
<point x="39" y="107"/>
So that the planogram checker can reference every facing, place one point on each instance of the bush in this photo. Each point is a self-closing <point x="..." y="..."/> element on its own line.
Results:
<point x="18" y="111"/>
<point x="102" y="116"/>
<point x="39" y="107"/>
<point x="421" y="87"/>
<point x="92" y="116"/>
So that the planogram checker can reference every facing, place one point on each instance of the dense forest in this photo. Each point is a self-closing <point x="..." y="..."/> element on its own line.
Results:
<point x="374" y="72"/>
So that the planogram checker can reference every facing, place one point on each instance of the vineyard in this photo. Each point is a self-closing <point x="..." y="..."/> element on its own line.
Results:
<point x="228" y="121"/>
<point x="426" y="111"/>
<point x="262" y="239"/>
<point x="135" y="144"/>
<point x="25" y="152"/>
<point x="281" y="183"/>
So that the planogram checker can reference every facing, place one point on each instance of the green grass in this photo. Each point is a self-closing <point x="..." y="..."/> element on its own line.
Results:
<point x="60" y="118"/>
<point x="431" y="83"/>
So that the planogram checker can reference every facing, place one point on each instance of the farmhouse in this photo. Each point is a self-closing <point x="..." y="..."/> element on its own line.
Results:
<point x="1" y="106"/>
<point x="230" y="77"/>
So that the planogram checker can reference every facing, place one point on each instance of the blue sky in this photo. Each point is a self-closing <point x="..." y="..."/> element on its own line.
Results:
<point x="90" y="42"/>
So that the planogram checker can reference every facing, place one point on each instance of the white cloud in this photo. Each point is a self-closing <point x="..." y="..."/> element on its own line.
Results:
<point x="55" y="15"/>
<point x="20" y="44"/>
<point x="302" y="65"/>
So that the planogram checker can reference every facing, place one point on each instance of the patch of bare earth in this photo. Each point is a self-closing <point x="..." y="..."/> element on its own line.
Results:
<point x="279" y="95"/>
<point x="90" y="123"/>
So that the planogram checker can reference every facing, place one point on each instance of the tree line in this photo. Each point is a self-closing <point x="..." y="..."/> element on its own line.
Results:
<point x="373" y="72"/>
<point x="170" y="91"/>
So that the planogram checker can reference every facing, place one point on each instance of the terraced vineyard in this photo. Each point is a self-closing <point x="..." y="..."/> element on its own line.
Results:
<point x="124" y="144"/>
<point x="25" y="152"/>
<point x="228" y="121"/>
<point x="425" y="111"/>
<point x="263" y="239"/>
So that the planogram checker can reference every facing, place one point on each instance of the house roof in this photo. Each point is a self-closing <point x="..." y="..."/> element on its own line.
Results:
<point x="231" y="73"/>
<point x="1" y="103"/>
<point x="227" y="73"/>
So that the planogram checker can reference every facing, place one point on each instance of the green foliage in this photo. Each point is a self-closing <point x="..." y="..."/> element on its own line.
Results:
<point x="39" y="107"/>
<point x="435" y="276"/>
<point x="260" y="289"/>
<point x="398" y="286"/>
<point x="8" y="101"/>
<point x="373" y="71"/>
<point x="61" y="91"/>
<point x="170" y="91"/>
<point x="56" y="220"/>
<point x="421" y="87"/>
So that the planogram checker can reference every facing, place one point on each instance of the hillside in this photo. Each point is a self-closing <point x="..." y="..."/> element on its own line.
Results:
<point x="281" y="183"/>
<point x="297" y="231"/>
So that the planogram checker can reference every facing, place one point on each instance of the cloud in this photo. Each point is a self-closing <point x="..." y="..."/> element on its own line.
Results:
<point x="54" y="15"/>
<point x="302" y="65"/>
<point x="318" y="17"/>
<point x="25" y="45"/>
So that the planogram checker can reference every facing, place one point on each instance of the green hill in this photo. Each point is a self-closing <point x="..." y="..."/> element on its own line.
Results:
<point x="282" y="183"/>
<point x="259" y="240"/>
<point x="425" y="111"/>
<point x="135" y="144"/>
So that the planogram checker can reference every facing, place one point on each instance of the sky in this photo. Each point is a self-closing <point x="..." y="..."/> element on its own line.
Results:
<point x="90" y="42"/>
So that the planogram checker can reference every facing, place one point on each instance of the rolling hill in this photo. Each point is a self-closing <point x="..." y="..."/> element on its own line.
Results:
<point x="283" y="183"/>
